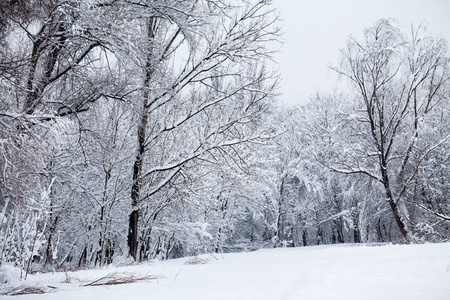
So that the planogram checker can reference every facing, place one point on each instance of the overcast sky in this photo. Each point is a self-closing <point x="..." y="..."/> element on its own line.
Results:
<point x="315" y="30"/>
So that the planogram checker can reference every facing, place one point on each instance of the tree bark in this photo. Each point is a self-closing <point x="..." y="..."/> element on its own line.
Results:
<point x="393" y="205"/>
<point x="136" y="187"/>
<point x="142" y="135"/>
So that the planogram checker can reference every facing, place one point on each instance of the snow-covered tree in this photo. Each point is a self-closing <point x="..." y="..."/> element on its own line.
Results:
<point x="203" y="83"/>
<point x="400" y="82"/>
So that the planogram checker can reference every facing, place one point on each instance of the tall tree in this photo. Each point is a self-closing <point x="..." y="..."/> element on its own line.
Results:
<point x="201" y="107"/>
<point x="398" y="82"/>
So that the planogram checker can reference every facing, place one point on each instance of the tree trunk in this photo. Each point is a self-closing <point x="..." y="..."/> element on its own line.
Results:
<point x="136" y="188"/>
<point x="137" y="182"/>
<point x="394" y="208"/>
<point x="132" y="233"/>
<point x="142" y="135"/>
<point x="305" y="238"/>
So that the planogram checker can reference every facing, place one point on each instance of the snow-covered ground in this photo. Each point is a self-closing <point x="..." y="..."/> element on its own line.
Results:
<point x="323" y="272"/>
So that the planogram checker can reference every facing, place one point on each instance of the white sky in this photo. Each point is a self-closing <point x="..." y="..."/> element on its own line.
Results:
<point x="315" y="30"/>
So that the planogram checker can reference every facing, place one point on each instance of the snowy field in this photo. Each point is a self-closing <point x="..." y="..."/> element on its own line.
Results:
<point x="323" y="272"/>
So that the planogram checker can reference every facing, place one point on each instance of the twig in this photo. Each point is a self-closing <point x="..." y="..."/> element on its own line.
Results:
<point x="176" y="275"/>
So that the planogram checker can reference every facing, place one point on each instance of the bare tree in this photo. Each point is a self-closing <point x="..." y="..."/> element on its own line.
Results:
<point x="398" y="82"/>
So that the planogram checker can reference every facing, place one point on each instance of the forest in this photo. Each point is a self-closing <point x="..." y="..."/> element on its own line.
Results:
<point x="145" y="129"/>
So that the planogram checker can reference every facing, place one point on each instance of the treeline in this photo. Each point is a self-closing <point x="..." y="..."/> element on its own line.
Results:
<point x="149" y="129"/>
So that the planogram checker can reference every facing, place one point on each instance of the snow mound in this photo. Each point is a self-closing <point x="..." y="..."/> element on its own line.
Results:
<point x="9" y="274"/>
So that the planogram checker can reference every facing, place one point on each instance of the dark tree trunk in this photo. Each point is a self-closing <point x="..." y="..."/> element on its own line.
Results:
<point x="132" y="233"/>
<point x="339" y="227"/>
<point x="356" y="229"/>
<point x="280" y="217"/>
<point x="393" y="205"/>
<point x="142" y="135"/>
<point x="136" y="188"/>
<point x="305" y="238"/>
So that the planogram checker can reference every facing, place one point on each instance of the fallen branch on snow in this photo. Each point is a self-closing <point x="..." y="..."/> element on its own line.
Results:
<point x="115" y="279"/>
<point x="26" y="290"/>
